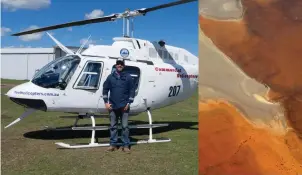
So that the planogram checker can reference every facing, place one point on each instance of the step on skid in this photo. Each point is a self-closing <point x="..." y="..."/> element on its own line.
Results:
<point x="93" y="128"/>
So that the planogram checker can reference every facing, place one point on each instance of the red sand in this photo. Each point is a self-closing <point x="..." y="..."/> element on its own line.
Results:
<point x="267" y="45"/>
<point x="230" y="145"/>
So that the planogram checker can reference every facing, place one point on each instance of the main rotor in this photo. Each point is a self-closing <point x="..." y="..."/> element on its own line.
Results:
<point x="127" y="17"/>
<point x="128" y="24"/>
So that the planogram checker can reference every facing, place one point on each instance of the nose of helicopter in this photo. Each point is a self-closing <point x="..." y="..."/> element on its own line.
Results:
<point x="19" y="90"/>
<point x="27" y="95"/>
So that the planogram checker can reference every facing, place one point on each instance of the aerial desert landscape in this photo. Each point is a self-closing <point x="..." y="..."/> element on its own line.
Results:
<point x="250" y="87"/>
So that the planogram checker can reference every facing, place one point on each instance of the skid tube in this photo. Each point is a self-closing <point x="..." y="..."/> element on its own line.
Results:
<point x="94" y="128"/>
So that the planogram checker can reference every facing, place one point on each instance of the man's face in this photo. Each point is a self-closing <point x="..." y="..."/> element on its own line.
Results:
<point x="120" y="66"/>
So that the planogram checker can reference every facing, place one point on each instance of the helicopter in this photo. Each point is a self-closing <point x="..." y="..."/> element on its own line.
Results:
<point x="162" y="74"/>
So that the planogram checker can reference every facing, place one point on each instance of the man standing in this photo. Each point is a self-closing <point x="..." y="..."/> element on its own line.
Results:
<point x="121" y="87"/>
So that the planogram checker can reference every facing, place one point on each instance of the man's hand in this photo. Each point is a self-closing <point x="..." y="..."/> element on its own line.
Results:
<point x="126" y="107"/>
<point x="108" y="106"/>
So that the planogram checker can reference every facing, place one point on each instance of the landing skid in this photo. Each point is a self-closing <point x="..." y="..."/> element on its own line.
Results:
<point x="93" y="144"/>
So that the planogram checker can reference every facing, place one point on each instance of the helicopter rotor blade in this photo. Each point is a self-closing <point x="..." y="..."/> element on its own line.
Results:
<point x="112" y="17"/>
<point x="165" y="6"/>
<point x="70" y="24"/>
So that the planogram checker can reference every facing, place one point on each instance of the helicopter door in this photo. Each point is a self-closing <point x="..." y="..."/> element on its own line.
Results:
<point x="86" y="91"/>
<point x="149" y="85"/>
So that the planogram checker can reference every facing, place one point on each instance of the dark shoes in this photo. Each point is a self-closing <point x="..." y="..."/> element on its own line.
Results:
<point x="111" y="149"/>
<point x="126" y="150"/>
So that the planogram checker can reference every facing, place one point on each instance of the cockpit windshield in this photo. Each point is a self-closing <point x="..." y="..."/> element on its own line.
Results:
<point x="57" y="73"/>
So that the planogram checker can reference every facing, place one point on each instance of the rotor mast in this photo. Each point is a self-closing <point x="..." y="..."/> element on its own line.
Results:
<point x="128" y="24"/>
<point x="127" y="27"/>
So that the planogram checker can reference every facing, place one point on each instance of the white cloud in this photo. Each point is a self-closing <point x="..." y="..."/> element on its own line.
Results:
<point x="94" y="14"/>
<point x="69" y="29"/>
<point x="82" y="41"/>
<point x="31" y="37"/>
<point x="13" y="5"/>
<point x="5" y="30"/>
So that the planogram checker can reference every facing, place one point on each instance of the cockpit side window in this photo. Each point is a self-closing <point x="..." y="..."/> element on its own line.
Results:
<point x="90" y="76"/>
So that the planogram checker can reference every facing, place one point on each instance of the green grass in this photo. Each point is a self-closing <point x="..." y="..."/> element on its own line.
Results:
<point x="28" y="149"/>
<point x="7" y="81"/>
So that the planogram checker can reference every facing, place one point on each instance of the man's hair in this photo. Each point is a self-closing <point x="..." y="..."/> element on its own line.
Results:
<point x="120" y="61"/>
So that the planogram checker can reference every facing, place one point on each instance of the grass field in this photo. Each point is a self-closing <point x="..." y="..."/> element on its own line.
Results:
<point x="28" y="149"/>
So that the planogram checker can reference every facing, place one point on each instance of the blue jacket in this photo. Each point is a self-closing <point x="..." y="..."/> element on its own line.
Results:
<point x="121" y="89"/>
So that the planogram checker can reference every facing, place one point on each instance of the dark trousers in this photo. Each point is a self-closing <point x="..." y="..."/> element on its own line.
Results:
<point x="115" y="115"/>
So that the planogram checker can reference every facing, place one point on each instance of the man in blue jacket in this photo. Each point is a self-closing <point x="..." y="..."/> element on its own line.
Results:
<point x="121" y="87"/>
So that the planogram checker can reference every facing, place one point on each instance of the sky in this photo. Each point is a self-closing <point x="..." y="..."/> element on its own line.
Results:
<point x="177" y="26"/>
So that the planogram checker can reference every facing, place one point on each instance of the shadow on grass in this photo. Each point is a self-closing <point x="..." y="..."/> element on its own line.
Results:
<point x="69" y="134"/>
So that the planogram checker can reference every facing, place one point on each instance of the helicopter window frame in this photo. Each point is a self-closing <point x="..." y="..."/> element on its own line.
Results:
<point x="139" y="77"/>
<point x="76" y="86"/>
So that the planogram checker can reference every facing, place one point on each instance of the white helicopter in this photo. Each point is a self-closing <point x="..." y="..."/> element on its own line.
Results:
<point x="163" y="75"/>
